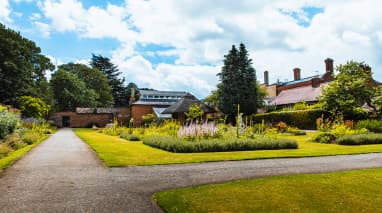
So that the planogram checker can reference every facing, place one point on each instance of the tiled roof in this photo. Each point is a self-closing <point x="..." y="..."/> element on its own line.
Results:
<point x="184" y="104"/>
<point x="295" y="95"/>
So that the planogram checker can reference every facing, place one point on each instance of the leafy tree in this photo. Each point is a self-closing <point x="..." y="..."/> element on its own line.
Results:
<point x="93" y="79"/>
<point x="33" y="107"/>
<point x="195" y="113"/>
<point x="22" y="68"/>
<point x="349" y="91"/>
<point x="377" y="100"/>
<point x="238" y="84"/>
<point x="71" y="92"/>
<point x="119" y="92"/>
<point x="212" y="100"/>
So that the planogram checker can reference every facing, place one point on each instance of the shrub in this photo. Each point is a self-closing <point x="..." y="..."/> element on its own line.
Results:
<point x="281" y="127"/>
<point x="371" y="125"/>
<point x="173" y="144"/>
<point x="295" y="131"/>
<point x="14" y="141"/>
<point x="303" y="119"/>
<point x="8" y="123"/>
<point x="30" y="137"/>
<point x="4" y="150"/>
<point x="324" y="137"/>
<point x="360" y="139"/>
<point x="129" y="137"/>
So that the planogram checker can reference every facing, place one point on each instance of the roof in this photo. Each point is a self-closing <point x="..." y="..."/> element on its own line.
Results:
<point x="295" y="95"/>
<point x="162" y="93"/>
<point x="184" y="104"/>
<point x="110" y="110"/>
<point x="158" y="112"/>
<point x="156" y="102"/>
<point x="300" y="80"/>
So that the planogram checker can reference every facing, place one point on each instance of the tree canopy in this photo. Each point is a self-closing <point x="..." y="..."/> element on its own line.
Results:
<point x="119" y="92"/>
<point x="33" y="107"/>
<point x="238" y="84"/>
<point x="22" y="68"/>
<point x="349" y="91"/>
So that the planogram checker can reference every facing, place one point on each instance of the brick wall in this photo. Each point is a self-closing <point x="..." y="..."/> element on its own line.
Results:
<point x="137" y="111"/>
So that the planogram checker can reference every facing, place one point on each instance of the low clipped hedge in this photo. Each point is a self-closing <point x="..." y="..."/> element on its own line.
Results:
<point x="360" y="139"/>
<point x="173" y="144"/>
<point x="371" y="125"/>
<point x="302" y="119"/>
<point x="129" y="137"/>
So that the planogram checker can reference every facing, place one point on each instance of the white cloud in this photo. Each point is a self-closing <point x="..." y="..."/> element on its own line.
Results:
<point x="5" y="11"/>
<point x="43" y="28"/>
<point x="201" y="33"/>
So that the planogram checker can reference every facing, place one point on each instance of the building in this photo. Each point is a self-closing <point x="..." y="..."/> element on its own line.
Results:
<point x="153" y="102"/>
<point x="87" y="117"/>
<point x="306" y="89"/>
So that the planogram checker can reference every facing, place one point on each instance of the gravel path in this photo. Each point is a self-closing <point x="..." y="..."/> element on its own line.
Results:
<point x="63" y="175"/>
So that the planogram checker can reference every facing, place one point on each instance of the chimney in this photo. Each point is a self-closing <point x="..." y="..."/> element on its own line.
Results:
<point x="132" y="96"/>
<point x="329" y="65"/>
<point x="297" y="73"/>
<point x="266" y="78"/>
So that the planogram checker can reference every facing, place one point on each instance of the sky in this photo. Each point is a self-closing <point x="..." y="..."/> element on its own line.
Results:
<point x="180" y="44"/>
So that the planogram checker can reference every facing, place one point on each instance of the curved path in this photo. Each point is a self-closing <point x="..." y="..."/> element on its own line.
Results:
<point x="63" y="175"/>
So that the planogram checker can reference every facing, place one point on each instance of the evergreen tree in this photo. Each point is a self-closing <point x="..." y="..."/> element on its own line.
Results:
<point x="118" y="90"/>
<point x="238" y="84"/>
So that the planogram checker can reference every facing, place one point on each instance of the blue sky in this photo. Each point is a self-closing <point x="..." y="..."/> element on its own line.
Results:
<point x="179" y="45"/>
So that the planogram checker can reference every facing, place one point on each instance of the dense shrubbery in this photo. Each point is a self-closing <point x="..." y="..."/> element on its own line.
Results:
<point x="8" y="123"/>
<point x="360" y="139"/>
<point x="173" y="144"/>
<point x="303" y="119"/>
<point x="324" y="137"/>
<point x="129" y="137"/>
<point x="371" y="125"/>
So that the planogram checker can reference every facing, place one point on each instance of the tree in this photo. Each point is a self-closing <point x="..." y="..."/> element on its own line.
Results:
<point x="22" y="68"/>
<point x="33" y="107"/>
<point x="349" y="91"/>
<point x="71" y="92"/>
<point x="93" y="79"/>
<point x="238" y="84"/>
<point x="119" y="92"/>
<point x="195" y="113"/>
<point x="212" y="100"/>
<point x="377" y="100"/>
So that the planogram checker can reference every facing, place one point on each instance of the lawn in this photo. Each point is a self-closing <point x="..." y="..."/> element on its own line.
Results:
<point x="15" y="155"/>
<point x="350" y="191"/>
<point x="117" y="152"/>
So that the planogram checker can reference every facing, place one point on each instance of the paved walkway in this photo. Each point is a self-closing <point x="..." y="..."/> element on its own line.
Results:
<point x="63" y="175"/>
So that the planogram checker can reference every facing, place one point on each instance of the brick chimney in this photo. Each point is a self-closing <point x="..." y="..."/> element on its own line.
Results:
<point x="297" y="73"/>
<point x="132" y="96"/>
<point x="266" y="78"/>
<point x="329" y="65"/>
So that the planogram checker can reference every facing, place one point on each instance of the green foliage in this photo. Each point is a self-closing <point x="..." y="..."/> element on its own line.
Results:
<point x="8" y="123"/>
<point x="4" y="150"/>
<point x="360" y="139"/>
<point x="371" y="125"/>
<point x="119" y="92"/>
<point x="295" y="131"/>
<point x="377" y="100"/>
<point x="300" y="106"/>
<point x="33" y="107"/>
<point x="94" y="80"/>
<point x="212" y="100"/>
<point x="238" y="85"/>
<point x="303" y="119"/>
<point x="148" y="119"/>
<point x="14" y="141"/>
<point x="129" y="137"/>
<point x="324" y="137"/>
<point x="22" y="68"/>
<point x="173" y="144"/>
<point x="31" y="137"/>
<point x="349" y="91"/>
<point x="71" y="92"/>
<point x="195" y="113"/>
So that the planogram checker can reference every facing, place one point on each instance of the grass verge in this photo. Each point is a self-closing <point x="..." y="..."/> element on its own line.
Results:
<point x="331" y="192"/>
<point x="116" y="152"/>
<point x="15" y="155"/>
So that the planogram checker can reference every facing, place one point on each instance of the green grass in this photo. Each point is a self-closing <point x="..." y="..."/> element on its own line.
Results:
<point x="116" y="152"/>
<point x="15" y="155"/>
<point x="350" y="191"/>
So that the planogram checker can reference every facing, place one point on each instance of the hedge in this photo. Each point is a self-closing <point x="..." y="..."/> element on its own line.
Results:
<point x="371" y="125"/>
<point x="302" y="119"/>
<point x="360" y="139"/>
<point x="173" y="144"/>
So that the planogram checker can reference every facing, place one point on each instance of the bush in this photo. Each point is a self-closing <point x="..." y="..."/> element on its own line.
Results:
<point x="14" y="141"/>
<point x="30" y="137"/>
<point x="324" y="137"/>
<point x="295" y="131"/>
<point x="173" y="144"/>
<point x="4" y="150"/>
<point x="129" y="137"/>
<point x="371" y="125"/>
<point x="8" y="123"/>
<point x="360" y="139"/>
<point x="302" y="119"/>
